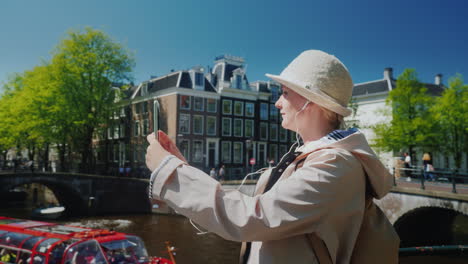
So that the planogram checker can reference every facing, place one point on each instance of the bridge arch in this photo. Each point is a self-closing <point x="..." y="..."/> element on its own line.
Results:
<point x="65" y="194"/>
<point x="85" y="194"/>
<point x="431" y="225"/>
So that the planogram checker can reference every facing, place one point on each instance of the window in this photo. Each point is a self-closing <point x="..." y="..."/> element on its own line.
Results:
<point x="273" y="113"/>
<point x="238" y="108"/>
<point x="273" y="132"/>
<point x="211" y="105"/>
<point x="137" y="108"/>
<point x="238" y="81"/>
<point x="226" y="152"/>
<point x="211" y="125"/>
<point x="274" y="93"/>
<point x="226" y="126"/>
<point x="249" y="109"/>
<point x="283" y="134"/>
<point x="238" y="125"/>
<point x="184" y="123"/>
<point x="136" y="129"/>
<point x="184" y="147"/>
<point x="249" y="128"/>
<point x="197" y="151"/>
<point x="145" y="127"/>
<point x="116" y="152"/>
<point x="109" y="132"/>
<point x="273" y="153"/>
<point x="185" y="102"/>
<point x="198" y="104"/>
<point x="198" y="124"/>
<point x="145" y="107"/>
<point x="116" y="131"/>
<point x="292" y="135"/>
<point x="198" y="79"/>
<point x="227" y="107"/>
<point x="122" y="112"/>
<point x="237" y="149"/>
<point x="263" y="131"/>
<point x="264" y="111"/>
<point x="282" y="150"/>
<point x="121" y="130"/>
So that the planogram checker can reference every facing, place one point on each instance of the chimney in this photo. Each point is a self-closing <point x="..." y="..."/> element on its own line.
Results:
<point x="388" y="73"/>
<point x="438" y="79"/>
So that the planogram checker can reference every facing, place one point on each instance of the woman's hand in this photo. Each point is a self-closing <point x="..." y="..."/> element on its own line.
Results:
<point x="170" y="146"/>
<point x="155" y="153"/>
<point x="158" y="149"/>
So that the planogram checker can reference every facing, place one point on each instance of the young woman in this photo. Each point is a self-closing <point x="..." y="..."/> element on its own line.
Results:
<point x="316" y="190"/>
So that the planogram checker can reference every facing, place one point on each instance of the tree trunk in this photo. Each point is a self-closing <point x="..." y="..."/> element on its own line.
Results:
<point x="87" y="165"/>
<point x="46" y="157"/>
<point x="4" y="155"/>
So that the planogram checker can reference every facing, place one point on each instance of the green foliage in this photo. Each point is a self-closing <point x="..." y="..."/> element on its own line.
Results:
<point x="87" y="64"/>
<point x="411" y="124"/>
<point x="451" y="114"/>
<point x="65" y="100"/>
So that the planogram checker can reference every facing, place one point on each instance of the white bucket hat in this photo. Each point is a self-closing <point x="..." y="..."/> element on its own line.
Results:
<point x="320" y="78"/>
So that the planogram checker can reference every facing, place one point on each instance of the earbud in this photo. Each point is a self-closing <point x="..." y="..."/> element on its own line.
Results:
<point x="305" y="105"/>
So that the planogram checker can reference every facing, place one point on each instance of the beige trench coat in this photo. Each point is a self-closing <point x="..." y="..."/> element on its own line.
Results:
<point x="325" y="196"/>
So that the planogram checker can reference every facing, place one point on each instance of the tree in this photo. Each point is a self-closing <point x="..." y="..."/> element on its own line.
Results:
<point x="9" y="134"/>
<point x="451" y="114"/>
<point x="87" y="64"/>
<point x="410" y="124"/>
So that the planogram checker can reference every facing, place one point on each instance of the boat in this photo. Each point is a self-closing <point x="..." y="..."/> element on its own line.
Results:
<point x="51" y="212"/>
<point x="34" y="242"/>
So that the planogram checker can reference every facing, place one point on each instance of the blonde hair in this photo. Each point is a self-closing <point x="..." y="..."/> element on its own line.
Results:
<point x="426" y="156"/>
<point x="335" y="120"/>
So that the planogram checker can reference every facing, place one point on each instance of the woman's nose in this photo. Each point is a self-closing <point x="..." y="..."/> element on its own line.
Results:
<point x="278" y="102"/>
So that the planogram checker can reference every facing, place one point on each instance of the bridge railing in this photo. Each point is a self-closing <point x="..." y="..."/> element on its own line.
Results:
<point x="450" y="176"/>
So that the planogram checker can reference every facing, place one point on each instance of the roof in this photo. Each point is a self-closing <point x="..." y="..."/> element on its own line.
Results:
<point x="186" y="81"/>
<point x="164" y="82"/>
<point x="380" y="86"/>
<point x="371" y="87"/>
<point x="434" y="89"/>
<point x="228" y="71"/>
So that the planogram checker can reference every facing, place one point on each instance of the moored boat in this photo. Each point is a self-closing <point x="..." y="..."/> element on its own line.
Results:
<point x="52" y="212"/>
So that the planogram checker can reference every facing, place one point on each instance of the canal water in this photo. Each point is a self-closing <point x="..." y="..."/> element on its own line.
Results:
<point x="155" y="230"/>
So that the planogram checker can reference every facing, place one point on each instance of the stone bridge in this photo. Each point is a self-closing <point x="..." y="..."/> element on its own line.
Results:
<point x="85" y="194"/>
<point x="420" y="216"/>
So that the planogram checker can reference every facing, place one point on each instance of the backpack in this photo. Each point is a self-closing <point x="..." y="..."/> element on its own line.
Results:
<point x="377" y="241"/>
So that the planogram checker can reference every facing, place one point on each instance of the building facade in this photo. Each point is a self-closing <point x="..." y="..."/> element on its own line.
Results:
<point x="216" y="117"/>
<point x="370" y="99"/>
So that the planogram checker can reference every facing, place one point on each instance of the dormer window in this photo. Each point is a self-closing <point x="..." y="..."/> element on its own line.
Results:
<point x="238" y="81"/>
<point x="198" y="79"/>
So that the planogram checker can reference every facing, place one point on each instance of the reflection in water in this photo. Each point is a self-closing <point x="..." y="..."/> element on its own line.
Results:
<point x="156" y="229"/>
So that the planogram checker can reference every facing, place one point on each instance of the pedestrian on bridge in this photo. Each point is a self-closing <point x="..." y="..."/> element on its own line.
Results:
<point x="311" y="205"/>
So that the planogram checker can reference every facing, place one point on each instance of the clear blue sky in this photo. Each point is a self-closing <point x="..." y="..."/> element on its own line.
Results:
<point x="430" y="36"/>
